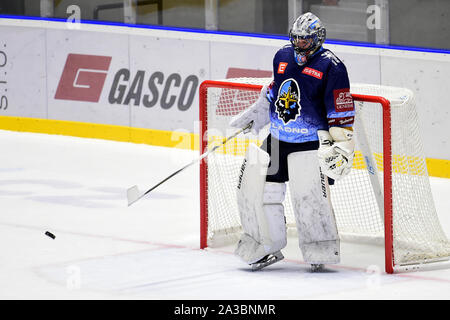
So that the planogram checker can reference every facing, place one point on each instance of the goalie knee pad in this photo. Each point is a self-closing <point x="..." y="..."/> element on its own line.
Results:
<point x="316" y="225"/>
<point x="260" y="208"/>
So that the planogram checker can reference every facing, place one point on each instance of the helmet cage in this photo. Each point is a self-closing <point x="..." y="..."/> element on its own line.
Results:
<point x="317" y="40"/>
<point x="312" y="39"/>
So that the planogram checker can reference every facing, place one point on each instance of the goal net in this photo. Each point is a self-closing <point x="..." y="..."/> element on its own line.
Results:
<point x="386" y="199"/>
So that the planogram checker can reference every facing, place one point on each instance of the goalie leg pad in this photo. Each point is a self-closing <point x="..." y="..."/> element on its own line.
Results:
<point x="260" y="209"/>
<point x="321" y="252"/>
<point x="310" y="196"/>
<point x="274" y="194"/>
<point x="249" y="249"/>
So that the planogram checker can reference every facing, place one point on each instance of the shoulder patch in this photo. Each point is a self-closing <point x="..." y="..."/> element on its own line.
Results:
<point x="343" y="100"/>
<point x="282" y="67"/>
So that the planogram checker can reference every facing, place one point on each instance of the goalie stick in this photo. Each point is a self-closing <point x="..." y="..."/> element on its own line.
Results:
<point x="133" y="193"/>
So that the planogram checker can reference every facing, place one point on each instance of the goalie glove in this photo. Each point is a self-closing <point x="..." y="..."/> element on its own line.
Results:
<point x="258" y="112"/>
<point x="336" y="152"/>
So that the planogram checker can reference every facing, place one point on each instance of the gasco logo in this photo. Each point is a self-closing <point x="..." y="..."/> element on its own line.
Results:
<point x="84" y="76"/>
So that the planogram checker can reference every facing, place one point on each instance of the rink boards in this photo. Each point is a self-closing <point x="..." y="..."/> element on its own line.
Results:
<point x="141" y="84"/>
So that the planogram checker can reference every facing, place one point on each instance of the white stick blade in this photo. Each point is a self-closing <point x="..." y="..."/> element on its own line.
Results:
<point x="132" y="195"/>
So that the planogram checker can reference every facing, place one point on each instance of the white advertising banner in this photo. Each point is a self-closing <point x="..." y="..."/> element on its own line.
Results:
<point x="22" y="72"/>
<point x="428" y="79"/>
<point x="165" y="76"/>
<point x="81" y="66"/>
<point x="233" y="60"/>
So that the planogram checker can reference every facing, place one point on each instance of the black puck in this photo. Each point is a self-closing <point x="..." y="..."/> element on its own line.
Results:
<point x="51" y="235"/>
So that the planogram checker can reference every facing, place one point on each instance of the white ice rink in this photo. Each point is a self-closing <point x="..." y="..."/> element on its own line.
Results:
<point x="76" y="189"/>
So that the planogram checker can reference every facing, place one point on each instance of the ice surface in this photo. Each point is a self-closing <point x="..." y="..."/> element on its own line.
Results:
<point x="76" y="189"/>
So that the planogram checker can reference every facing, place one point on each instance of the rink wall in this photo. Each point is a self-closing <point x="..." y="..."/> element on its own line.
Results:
<point x="140" y="84"/>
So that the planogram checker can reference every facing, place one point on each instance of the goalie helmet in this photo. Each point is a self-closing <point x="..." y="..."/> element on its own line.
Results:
<point x="307" y="36"/>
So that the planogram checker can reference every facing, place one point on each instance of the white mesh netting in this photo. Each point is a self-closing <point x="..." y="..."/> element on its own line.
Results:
<point x="358" y="198"/>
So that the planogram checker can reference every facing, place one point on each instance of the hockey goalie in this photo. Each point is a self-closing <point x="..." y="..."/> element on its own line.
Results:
<point x="310" y="111"/>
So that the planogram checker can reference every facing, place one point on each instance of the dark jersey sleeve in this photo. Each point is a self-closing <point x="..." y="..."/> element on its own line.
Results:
<point x="337" y="98"/>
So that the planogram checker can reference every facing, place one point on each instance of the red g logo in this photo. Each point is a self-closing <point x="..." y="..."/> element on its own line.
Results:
<point x="83" y="77"/>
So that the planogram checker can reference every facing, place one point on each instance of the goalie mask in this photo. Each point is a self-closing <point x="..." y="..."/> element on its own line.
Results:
<point x="307" y="36"/>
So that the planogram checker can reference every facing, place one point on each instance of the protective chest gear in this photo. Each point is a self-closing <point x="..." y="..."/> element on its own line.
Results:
<point x="308" y="98"/>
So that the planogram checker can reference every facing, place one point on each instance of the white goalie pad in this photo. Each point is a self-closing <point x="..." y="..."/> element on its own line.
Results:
<point x="310" y="196"/>
<point x="260" y="208"/>
<point x="273" y="198"/>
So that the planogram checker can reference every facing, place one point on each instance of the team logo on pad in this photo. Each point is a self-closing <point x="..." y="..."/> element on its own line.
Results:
<point x="288" y="102"/>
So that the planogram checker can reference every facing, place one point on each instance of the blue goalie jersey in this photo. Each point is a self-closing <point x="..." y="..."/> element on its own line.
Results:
<point x="304" y="99"/>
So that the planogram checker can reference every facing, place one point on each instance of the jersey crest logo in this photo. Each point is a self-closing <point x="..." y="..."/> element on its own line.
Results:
<point x="288" y="105"/>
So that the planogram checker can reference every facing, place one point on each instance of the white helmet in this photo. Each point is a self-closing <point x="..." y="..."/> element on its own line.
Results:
<point x="307" y="36"/>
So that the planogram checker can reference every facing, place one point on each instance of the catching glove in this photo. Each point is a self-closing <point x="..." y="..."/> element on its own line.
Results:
<point x="336" y="151"/>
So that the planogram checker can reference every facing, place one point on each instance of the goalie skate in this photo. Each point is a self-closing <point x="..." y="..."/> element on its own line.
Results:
<point x="317" y="267"/>
<point x="267" y="261"/>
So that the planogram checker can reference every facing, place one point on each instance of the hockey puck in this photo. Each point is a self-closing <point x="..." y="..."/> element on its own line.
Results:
<point x="51" y="235"/>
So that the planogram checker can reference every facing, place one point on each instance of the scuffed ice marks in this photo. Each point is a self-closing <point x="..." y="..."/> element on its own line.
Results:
<point x="68" y="193"/>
